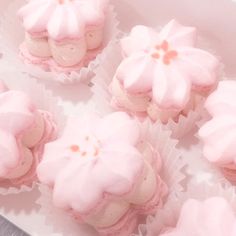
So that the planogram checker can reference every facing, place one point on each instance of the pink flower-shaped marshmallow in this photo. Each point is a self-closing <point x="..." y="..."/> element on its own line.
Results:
<point x="166" y="66"/>
<point x="97" y="171"/>
<point x="214" y="216"/>
<point x="16" y="116"/>
<point x="219" y="133"/>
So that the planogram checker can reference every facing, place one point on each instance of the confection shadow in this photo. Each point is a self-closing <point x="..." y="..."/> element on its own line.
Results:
<point x="189" y="140"/>
<point x="21" y="202"/>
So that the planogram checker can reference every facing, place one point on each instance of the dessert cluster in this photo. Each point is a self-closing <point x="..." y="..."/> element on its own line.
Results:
<point x="102" y="169"/>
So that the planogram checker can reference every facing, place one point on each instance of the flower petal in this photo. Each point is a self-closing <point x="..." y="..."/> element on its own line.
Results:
<point x="171" y="90"/>
<point x="219" y="137"/>
<point x="136" y="73"/>
<point x="55" y="159"/>
<point x="64" y="23"/>
<point x="140" y="39"/>
<point x="128" y="163"/>
<point x="36" y="21"/>
<point x="118" y="127"/>
<point x="9" y="153"/>
<point x="222" y="100"/>
<point x="16" y="112"/>
<point x="178" y="35"/>
<point x="200" y="66"/>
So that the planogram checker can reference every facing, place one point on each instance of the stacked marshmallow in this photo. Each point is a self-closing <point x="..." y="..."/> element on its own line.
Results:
<point x="163" y="74"/>
<point x="65" y="30"/>
<point x="24" y="131"/>
<point x="219" y="133"/>
<point x="103" y="172"/>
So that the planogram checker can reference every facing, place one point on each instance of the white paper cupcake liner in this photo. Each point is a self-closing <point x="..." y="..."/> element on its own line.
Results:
<point x="43" y="100"/>
<point x="172" y="174"/>
<point x="185" y="124"/>
<point x="168" y="216"/>
<point x="104" y="74"/>
<point x="12" y="35"/>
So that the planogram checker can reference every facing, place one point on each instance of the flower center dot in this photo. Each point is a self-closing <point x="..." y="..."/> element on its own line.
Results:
<point x="163" y="52"/>
<point x="87" y="147"/>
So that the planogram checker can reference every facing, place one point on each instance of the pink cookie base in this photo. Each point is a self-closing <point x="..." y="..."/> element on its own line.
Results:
<point x="48" y="64"/>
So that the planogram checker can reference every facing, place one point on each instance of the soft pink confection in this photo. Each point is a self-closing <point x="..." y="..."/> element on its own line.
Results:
<point x="24" y="131"/>
<point x="65" y="30"/>
<point x="102" y="172"/>
<point x="163" y="74"/>
<point x="219" y="133"/>
<point x="213" y="217"/>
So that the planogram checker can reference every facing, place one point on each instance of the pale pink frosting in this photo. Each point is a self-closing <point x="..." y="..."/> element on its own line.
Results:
<point x="62" y="19"/>
<point x="213" y="217"/>
<point x="100" y="156"/>
<point x="219" y="133"/>
<point x="16" y="116"/>
<point x="166" y="65"/>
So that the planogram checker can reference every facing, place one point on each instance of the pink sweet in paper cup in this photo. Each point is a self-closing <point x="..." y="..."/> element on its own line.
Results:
<point x="117" y="172"/>
<point x="218" y="133"/>
<point x="163" y="75"/>
<point x="63" y="41"/>
<point x="116" y="175"/>
<point x="214" y="216"/>
<point x="203" y="209"/>
<point x="63" y="33"/>
<point x="25" y="129"/>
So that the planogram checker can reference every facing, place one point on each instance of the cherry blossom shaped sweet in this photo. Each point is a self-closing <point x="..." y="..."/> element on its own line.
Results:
<point x="166" y="65"/>
<point x="113" y="180"/>
<point x="214" y="216"/>
<point x="16" y="116"/>
<point x="62" y="35"/>
<point x="219" y="133"/>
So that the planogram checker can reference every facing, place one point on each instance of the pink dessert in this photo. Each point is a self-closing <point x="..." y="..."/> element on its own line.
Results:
<point x="24" y="130"/>
<point x="213" y="217"/>
<point x="63" y="34"/>
<point x="102" y="172"/>
<point x="219" y="133"/>
<point x="163" y="74"/>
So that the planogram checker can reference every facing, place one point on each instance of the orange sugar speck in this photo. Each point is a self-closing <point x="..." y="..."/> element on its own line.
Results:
<point x="165" y="46"/>
<point x="74" y="148"/>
